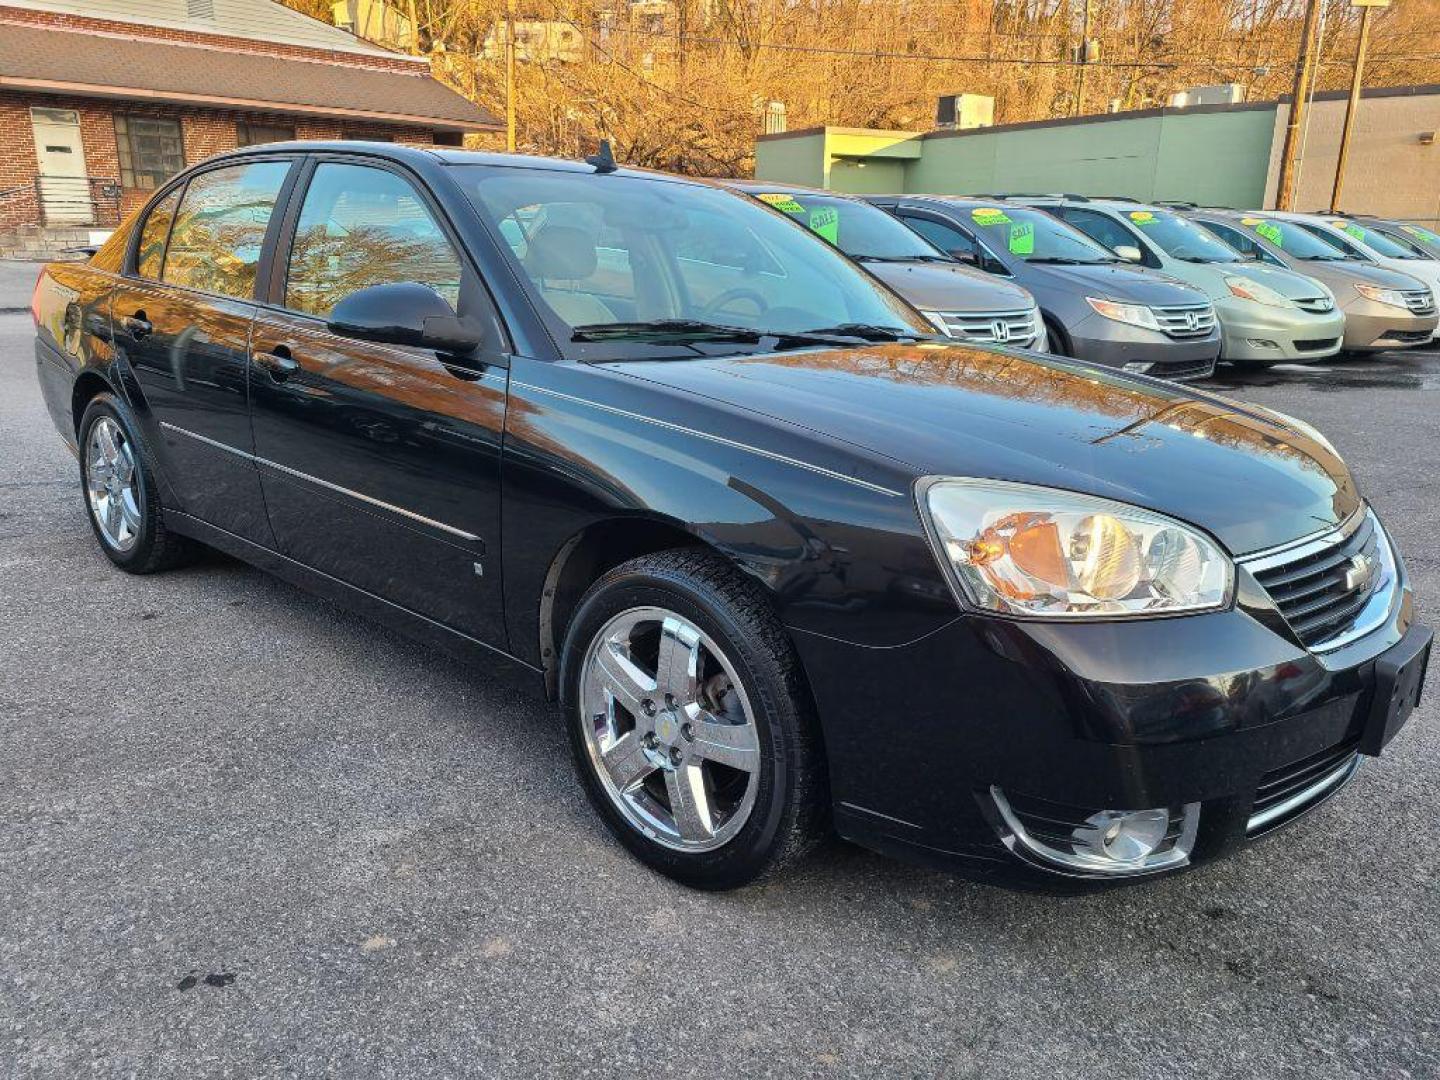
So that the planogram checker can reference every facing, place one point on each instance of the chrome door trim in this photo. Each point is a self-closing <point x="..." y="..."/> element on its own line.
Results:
<point x="358" y="495"/>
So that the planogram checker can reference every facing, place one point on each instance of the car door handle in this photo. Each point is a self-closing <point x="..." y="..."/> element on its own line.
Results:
<point x="278" y="362"/>
<point x="137" y="326"/>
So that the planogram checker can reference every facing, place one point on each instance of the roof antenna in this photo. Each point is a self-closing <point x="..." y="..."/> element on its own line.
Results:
<point x="604" y="161"/>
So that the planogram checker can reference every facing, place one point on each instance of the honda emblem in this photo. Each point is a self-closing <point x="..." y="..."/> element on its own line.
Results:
<point x="1000" y="330"/>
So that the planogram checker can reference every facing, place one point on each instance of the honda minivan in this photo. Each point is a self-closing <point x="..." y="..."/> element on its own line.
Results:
<point x="962" y="301"/>
<point x="1384" y="309"/>
<point x="1268" y="314"/>
<point x="1097" y="306"/>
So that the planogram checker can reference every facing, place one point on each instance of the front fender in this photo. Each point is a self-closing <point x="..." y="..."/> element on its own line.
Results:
<point x="833" y="536"/>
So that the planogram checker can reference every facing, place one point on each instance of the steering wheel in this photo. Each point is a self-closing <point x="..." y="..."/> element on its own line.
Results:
<point x="730" y="296"/>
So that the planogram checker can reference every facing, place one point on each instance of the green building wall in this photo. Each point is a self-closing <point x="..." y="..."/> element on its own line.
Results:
<point x="1218" y="156"/>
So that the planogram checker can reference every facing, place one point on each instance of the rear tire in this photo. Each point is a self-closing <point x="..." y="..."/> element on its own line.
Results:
<point x="121" y="497"/>
<point x="709" y="770"/>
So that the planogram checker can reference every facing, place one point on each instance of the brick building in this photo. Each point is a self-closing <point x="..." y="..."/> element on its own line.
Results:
<point x="101" y="100"/>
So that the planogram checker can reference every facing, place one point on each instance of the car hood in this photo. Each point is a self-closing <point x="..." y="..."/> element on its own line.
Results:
<point x="1114" y="281"/>
<point x="1344" y="274"/>
<point x="1288" y="283"/>
<point x="950" y="287"/>
<point x="1235" y="470"/>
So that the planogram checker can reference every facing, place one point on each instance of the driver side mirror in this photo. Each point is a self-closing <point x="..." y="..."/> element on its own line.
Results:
<point x="403" y="313"/>
<point x="1129" y="252"/>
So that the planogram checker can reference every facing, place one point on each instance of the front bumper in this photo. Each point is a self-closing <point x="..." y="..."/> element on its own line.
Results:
<point x="1115" y="344"/>
<point x="1205" y="709"/>
<point x="1254" y="333"/>
<point x="1371" y="327"/>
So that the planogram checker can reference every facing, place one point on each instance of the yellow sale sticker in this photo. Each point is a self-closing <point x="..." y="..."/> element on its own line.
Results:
<point x="989" y="215"/>
<point x="1142" y="217"/>
<point x="783" y="202"/>
<point x="1251" y="220"/>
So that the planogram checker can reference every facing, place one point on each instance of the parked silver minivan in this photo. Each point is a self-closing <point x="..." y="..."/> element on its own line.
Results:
<point x="1384" y="309"/>
<point x="962" y="301"/>
<point x="1267" y="314"/>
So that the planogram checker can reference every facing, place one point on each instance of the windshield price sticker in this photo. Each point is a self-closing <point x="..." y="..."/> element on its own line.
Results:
<point x="989" y="215"/>
<point x="1355" y="231"/>
<point x="1423" y="234"/>
<point x="1142" y="217"/>
<point x="825" y="222"/>
<point x="1022" y="239"/>
<point x="786" y="203"/>
<point x="1271" y="233"/>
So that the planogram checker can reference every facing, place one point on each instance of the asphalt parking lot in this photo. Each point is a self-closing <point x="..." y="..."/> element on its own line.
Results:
<point x="245" y="833"/>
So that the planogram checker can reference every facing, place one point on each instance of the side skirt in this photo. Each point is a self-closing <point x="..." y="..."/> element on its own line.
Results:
<point x="364" y="603"/>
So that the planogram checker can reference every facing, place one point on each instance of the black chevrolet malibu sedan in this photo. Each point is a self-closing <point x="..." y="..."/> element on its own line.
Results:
<point x="789" y="561"/>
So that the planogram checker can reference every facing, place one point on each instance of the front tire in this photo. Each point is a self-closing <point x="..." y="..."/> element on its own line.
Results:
<point x="121" y="498"/>
<point x="690" y="723"/>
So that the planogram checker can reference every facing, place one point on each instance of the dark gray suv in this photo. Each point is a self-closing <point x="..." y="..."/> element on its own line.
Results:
<point x="1096" y="306"/>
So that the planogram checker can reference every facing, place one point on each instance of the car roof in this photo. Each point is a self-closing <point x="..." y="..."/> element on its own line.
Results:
<point x="444" y="155"/>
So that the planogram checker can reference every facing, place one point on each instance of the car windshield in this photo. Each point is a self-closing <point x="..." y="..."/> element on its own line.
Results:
<point x="1423" y="238"/>
<point x="1293" y="239"/>
<point x="860" y="230"/>
<point x="1375" y="240"/>
<point x="1181" y="239"/>
<point x="625" y="258"/>
<point x="1035" y="236"/>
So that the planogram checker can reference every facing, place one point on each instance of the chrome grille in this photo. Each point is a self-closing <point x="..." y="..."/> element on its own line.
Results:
<point x="1287" y="792"/>
<point x="997" y="327"/>
<point x="1322" y="587"/>
<point x="1420" y="301"/>
<point x="1185" y="320"/>
<point x="1318" y="305"/>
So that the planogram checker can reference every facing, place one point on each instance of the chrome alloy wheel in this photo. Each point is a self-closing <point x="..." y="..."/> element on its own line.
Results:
<point x="669" y="729"/>
<point x="110" y="484"/>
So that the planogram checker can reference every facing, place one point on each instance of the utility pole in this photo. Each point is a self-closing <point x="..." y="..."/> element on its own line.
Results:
<point x="510" y="75"/>
<point x="1084" y="58"/>
<point x="1353" y="106"/>
<point x="414" y="29"/>
<point x="1304" y="69"/>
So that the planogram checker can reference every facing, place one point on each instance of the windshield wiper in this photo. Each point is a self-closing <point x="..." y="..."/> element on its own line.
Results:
<point x="662" y="329"/>
<point x="1060" y="260"/>
<point x="864" y="331"/>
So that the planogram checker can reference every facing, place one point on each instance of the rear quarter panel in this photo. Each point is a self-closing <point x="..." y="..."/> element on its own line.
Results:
<point x="72" y="336"/>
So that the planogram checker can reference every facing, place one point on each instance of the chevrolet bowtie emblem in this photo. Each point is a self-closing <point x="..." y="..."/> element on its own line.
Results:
<point x="1360" y="572"/>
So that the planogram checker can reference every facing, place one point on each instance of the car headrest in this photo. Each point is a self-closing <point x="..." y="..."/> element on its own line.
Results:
<point x="561" y="251"/>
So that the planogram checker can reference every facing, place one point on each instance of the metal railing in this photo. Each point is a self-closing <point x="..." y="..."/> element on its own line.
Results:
<point x="77" y="200"/>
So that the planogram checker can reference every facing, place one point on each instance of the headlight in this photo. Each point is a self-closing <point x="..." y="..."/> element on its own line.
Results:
<point x="1393" y="297"/>
<point x="1254" y="291"/>
<point x="937" y="319"/>
<point x="1134" y="314"/>
<point x="1019" y="549"/>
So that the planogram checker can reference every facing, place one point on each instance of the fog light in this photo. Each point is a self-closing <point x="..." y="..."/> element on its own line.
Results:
<point x="1113" y="843"/>
<point x="1261" y="343"/>
<point x="1123" y="835"/>
<point x="1139" y="367"/>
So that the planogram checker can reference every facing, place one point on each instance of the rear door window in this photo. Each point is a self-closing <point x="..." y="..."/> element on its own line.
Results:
<point x="220" y="228"/>
<point x="362" y="226"/>
<point x="150" y="255"/>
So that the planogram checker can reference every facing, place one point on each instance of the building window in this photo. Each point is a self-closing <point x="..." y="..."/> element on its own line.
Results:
<point x="248" y="134"/>
<point x="449" y="138"/>
<point x="151" y="150"/>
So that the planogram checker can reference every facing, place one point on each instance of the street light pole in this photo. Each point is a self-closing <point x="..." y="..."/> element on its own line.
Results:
<point x="1285" y="186"/>
<point x="1084" y="57"/>
<point x="510" y="75"/>
<point x="1353" y="105"/>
